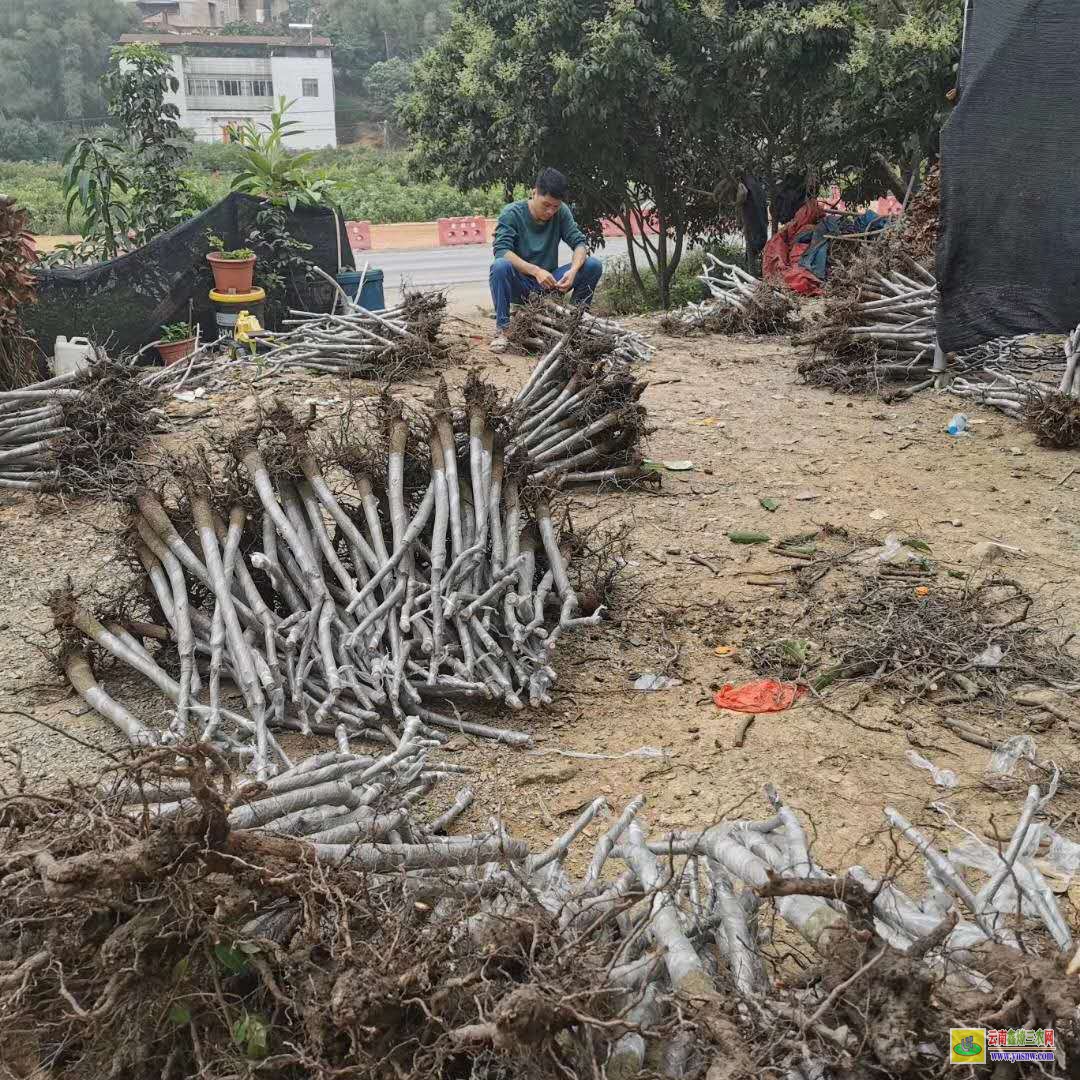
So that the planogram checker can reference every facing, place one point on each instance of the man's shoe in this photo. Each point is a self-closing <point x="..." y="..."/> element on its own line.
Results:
<point x="499" y="343"/>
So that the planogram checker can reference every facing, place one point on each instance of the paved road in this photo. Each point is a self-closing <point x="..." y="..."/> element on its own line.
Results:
<point x="440" y="267"/>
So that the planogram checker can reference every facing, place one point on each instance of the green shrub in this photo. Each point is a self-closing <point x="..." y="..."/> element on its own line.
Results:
<point x="377" y="187"/>
<point x="214" y="157"/>
<point x="37" y="187"/>
<point x="619" y="293"/>
<point x="29" y="140"/>
<point x="370" y="186"/>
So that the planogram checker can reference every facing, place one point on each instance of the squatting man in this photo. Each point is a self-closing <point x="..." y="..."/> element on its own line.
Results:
<point x="526" y="249"/>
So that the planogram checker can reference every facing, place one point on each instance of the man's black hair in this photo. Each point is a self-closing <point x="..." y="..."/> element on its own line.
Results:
<point x="552" y="182"/>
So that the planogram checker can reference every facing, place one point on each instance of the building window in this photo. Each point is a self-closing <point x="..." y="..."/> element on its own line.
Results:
<point x="209" y="86"/>
<point x="309" y="87"/>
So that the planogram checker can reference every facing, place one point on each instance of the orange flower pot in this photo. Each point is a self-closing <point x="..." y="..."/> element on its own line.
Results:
<point x="172" y="352"/>
<point x="232" y="275"/>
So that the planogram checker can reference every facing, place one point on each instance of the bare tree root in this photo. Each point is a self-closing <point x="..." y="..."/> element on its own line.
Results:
<point x="231" y="934"/>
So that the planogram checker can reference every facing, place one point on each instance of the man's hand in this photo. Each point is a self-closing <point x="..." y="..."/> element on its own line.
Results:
<point x="544" y="278"/>
<point x="566" y="282"/>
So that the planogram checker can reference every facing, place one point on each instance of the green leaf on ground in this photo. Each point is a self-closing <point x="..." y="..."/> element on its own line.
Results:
<point x="232" y="960"/>
<point x="179" y="1015"/>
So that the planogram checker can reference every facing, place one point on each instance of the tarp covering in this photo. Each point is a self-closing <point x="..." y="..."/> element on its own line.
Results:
<point x="798" y="255"/>
<point x="780" y="261"/>
<point x="1010" y="177"/>
<point x="126" y="301"/>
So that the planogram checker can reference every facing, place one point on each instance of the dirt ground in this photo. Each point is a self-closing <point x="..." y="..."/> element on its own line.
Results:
<point x="735" y="409"/>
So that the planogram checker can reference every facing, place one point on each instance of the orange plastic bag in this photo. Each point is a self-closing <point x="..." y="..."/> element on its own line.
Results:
<point x="765" y="695"/>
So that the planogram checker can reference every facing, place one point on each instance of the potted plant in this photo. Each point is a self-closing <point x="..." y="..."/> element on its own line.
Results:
<point x="176" y="342"/>
<point x="233" y="270"/>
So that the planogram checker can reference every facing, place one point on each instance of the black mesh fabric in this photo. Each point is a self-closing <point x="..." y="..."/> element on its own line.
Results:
<point x="126" y="301"/>
<point x="1010" y="178"/>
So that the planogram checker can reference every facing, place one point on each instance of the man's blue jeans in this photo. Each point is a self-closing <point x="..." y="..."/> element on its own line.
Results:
<point x="511" y="286"/>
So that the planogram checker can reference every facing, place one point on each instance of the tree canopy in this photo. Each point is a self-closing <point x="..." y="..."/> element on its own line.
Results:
<point x="654" y="103"/>
<point x="53" y="54"/>
<point x="369" y="32"/>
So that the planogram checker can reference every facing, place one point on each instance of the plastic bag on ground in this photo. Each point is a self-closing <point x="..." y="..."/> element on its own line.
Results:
<point x="1007" y="756"/>
<point x="945" y="778"/>
<point x="650" y="682"/>
<point x="760" y="696"/>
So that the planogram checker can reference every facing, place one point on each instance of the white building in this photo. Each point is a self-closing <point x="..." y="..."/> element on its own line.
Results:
<point x="227" y="80"/>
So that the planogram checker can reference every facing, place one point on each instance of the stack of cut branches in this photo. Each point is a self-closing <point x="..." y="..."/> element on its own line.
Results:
<point x="76" y="433"/>
<point x="740" y="304"/>
<point x="1026" y="379"/>
<point x="462" y="601"/>
<point x="920" y="224"/>
<point x="541" y="322"/>
<point x="882" y="330"/>
<point x="577" y="418"/>
<point x="385" y="345"/>
<point x="316" y="925"/>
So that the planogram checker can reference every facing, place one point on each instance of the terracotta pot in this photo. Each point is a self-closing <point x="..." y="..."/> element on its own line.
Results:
<point x="172" y="352"/>
<point x="232" y="275"/>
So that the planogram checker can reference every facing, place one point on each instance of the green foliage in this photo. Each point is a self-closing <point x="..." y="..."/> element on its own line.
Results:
<point x="70" y="255"/>
<point x="96" y="181"/>
<point x="179" y="331"/>
<point x="52" y="54"/>
<point x="242" y="29"/>
<point x="130" y="194"/>
<point x="387" y="82"/>
<point x="30" y="140"/>
<point x="270" y="171"/>
<point x="179" y="1014"/>
<point x="369" y="186"/>
<point x="38" y="190"/>
<point x="377" y="30"/>
<point x="138" y="79"/>
<point x="624" y="101"/>
<point x="281" y="259"/>
<point x="217" y="246"/>
<point x="230" y="959"/>
<point x="649" y="104"/>
<point x="621" y="294"/>
<point x="380" y="188"/>
<point x="252" y="1033"/>
<point x="214" y="157"/>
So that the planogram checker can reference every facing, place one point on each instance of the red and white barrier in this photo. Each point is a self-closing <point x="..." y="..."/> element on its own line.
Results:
<point x="456" y="231"/>
<point x="359" y="233"/>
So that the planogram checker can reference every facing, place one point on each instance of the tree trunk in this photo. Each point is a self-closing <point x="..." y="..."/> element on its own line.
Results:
<point x="628" y="228"/>
<point x="892" y="179"/>
<point x="663" y="272"/>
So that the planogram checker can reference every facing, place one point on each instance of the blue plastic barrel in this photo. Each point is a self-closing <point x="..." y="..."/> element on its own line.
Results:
<point x="371" y="296"/>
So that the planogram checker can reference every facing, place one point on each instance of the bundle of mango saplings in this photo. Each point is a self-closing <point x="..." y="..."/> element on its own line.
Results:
<point x="395" y="577"/>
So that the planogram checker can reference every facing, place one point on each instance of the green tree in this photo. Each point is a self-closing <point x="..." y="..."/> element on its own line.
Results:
<point x="371" y="31"/>
<point x="130" y="194"/>
<point x="894" y="87"/>
<point x="626" y="98"/>
<point x="137" y="82"/>
<point x="838" y="90"/>
<point x="53" y="54"/>
<point x="387" y="82"/>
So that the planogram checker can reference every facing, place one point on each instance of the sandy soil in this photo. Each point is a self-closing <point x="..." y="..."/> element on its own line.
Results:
<point x="736" y="409"/>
